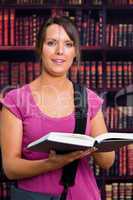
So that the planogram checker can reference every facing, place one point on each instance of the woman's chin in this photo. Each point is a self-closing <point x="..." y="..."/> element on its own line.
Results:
<point x="57" y="73"/>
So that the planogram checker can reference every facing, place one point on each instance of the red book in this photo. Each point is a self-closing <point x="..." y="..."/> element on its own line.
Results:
<point x="111" y="35"/>
<point x="1" y="28"/>
<point x="100" y="28"/>
<point x="115" y="33"/>
<point x="93" y="75"/>
<point x="17" y="38"/>
<point x="99" y="75"/>
<point x="107" y="34"/>
<point x="34" y="29"/>
<point x="97" y="34"/>
<point x="6" y="27"/>
<point x="26" y="31"/>
<point x="119" y="77"/>
<point x="125" y="74"/>
<point x="120" y="162"/>
<point x="114" y="77"/>
<point x="12" y="27"/>
<point x="81" y="73"/>
<point x="130" y="72"/>
<point x="108" y="74"/>
<point x="29" y="71"/>
<point x="130" y="159"/>
<point x="14" y="73"/>
<point x="87" y="73"/>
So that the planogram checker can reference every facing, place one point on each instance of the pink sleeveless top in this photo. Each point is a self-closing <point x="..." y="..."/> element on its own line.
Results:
<point x="36" y="124"/>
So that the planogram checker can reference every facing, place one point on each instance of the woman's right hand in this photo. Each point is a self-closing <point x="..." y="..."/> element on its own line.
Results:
<point x="57" y="161"/>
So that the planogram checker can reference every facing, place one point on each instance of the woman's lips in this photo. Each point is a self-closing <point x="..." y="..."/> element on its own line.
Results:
<point x="58" y="61"/>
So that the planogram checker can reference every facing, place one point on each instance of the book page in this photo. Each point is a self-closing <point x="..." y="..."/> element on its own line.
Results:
<point x="114" y="136"/>
<point x="72" y="138"/>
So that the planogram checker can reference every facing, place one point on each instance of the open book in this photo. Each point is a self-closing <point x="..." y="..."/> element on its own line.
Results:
<point x="67" y="142"/>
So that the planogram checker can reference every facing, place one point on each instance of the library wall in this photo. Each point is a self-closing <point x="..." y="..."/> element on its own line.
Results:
<point x="106" y="34"/>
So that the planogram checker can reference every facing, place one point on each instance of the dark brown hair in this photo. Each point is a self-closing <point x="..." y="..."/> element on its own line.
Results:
<point x="68" y="26"/>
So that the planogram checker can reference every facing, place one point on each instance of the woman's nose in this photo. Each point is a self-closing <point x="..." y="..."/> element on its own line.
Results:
<point x="60" y="49"/>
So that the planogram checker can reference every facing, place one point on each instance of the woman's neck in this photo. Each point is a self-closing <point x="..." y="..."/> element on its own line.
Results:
<point x="60" y="82"/>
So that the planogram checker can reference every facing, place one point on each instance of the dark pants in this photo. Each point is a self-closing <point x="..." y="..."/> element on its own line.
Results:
<point x="20" y="194"/>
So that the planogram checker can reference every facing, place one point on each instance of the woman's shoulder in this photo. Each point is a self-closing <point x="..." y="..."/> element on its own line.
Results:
<point x="94" y="102"/>
<point x="93" y="95"/>
<point x="18" y="90"/>
<point x="14" y="100"/>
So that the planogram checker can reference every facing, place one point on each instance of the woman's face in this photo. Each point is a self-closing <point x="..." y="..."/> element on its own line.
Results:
<point x="58" y="51"/>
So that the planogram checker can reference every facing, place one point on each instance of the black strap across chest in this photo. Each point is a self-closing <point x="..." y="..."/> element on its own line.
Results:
<point x="81" y="109"/>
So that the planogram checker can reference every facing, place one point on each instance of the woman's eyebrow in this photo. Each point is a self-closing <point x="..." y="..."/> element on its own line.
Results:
<point x="51" y="38"/>
<point x="69" y="41"/>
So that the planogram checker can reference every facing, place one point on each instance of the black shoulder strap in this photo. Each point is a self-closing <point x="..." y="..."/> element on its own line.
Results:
<point x="81" y="109"/>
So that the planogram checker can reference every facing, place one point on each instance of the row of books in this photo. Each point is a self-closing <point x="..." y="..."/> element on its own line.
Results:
<point x="54" y="2"/>
<point x="122" y="166"/>
<point x="90" y="73"/>
<point x="41" y="2"/>
<point x="121" y="191"/>
<point x="70" y="2"/>
<point x="117" y="74"/>
<point x="22" y="30"/>
<point x="17" y="74"/>
<point x="18" y="31"/>
<point x="119" y="117"/>
<point x="123" y="162"/>
<point x="119" y="35"/>
<point x="90" y="29"/>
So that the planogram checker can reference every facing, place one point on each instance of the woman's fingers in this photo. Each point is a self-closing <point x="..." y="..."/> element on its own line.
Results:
<point x="59" y="160"/>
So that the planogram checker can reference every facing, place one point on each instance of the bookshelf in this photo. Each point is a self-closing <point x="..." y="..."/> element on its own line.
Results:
<point x="106" y="31"/>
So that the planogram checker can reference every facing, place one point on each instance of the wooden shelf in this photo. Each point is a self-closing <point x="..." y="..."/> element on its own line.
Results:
<point x="50" y="6"/>
<point x="17" y="48"/>
<point x="120" y="8"/>
<point x="118" y="48"/>
<point x="118" y="178"/>
<point x="91" y="48"/>
<point x="122" y="130"/>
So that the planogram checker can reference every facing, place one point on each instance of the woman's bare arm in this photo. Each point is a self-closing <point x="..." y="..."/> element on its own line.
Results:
<point x="98" y="127"/>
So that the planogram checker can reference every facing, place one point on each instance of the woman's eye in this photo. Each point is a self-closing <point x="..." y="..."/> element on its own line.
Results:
<point x="51" y="43"/>
<point x="69" y="44"/>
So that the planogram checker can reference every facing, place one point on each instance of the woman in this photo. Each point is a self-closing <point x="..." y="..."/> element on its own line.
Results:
<point x="45" y="105"/>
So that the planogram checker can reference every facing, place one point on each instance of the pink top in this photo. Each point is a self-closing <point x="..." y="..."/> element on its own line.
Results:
<point x="36" y="124"/>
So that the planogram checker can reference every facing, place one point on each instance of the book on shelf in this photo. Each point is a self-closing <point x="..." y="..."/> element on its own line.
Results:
<point x="67" y="142"/>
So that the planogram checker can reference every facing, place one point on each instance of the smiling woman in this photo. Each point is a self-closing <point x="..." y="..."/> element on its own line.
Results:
<point x="58" y="51"/>
<point x="47" y="105"/>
